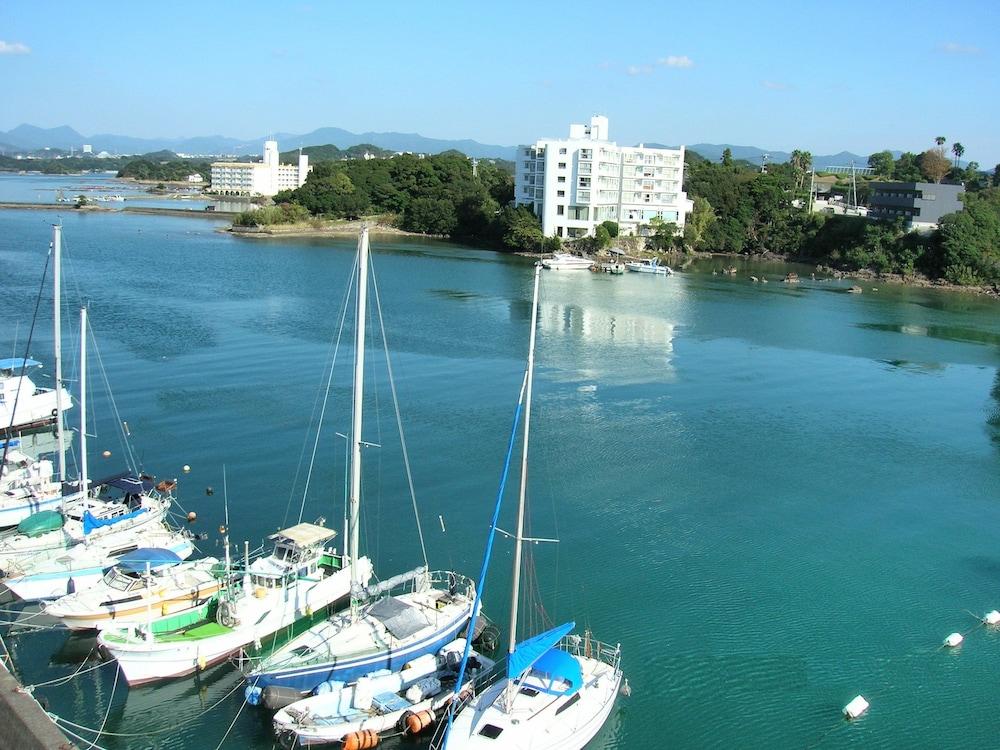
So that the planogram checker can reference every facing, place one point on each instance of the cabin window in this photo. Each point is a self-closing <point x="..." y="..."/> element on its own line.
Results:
<point x="491" y="731"/>
<point x="530" y="692"/>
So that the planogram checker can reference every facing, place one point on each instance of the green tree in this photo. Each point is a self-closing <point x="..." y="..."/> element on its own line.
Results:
<point x="698" y="223"/>
<point x="882" y="163"/>
<point x="522" y="229"/>
<point x="933" y="164"/>
<point x="602" y="237"/>
<point x="801" y="162"/>
<point x="612" y="227"/>
<point x="969" y="240"/>
<point x="957" y="149"/>
<point x="430" y="216"/>
<point x="727" y="157"/>
<point x="907" y="168"/>
<point x="940" y="141"/>
<point x="996" y="176"/>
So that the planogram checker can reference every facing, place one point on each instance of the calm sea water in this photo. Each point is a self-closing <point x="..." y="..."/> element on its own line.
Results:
<point x="775" y="497"/>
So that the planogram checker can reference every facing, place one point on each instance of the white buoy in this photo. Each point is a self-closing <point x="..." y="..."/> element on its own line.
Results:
<point x="953" y="640"/>
<point x="106" y="454"/>
<point x="992" y="618"/>
<point x="856" y="708"/>
<point x="187" y="469"/>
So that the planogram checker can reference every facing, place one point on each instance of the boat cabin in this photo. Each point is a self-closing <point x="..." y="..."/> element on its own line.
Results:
<point x="299" y="552"/>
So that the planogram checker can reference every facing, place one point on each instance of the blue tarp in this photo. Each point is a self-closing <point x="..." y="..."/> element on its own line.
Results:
<point x="560" y="666"/>
<point x="528" y="652"/>
<point x="90" y="522"/>
<point x="16" y="363"/>
<point x="136" y="561"/>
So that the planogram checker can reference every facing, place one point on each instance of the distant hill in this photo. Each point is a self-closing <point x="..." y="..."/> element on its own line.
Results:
<point x="753" y="154"/>
<point x="30" y="138"/>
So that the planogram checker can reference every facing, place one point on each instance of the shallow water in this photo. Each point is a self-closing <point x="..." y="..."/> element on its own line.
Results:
<point x="776" y="497"/>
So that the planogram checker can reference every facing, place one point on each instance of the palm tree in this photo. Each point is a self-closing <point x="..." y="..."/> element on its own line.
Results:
<point x="958" y="149"/>
<point x="940" y="140"/>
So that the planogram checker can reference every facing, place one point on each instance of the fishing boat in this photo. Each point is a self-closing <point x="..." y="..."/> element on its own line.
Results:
<point x="382" y="629"/>
<point x="567" y="262"/>
<point x="141" y="582"/>
<point x="649" y="265"/>
<point x="298" y="581"/>
<point x="559" y="688"/>
<point x="407" y="701"/>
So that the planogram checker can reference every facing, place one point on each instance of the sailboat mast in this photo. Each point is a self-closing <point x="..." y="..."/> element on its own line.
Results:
<point x="519" y="538"/>
<point x="57" y="335"/>
<point x="359" y="381"/>
<point x="83" y="403"/>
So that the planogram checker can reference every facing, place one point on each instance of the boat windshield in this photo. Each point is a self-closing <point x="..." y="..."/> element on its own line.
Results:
<point x="120" y="581"/>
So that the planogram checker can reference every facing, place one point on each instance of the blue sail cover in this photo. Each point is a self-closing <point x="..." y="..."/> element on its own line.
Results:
<point x="136" y="561"/>
<point x="90" y="522"/>
<point x="16" y="363"/>
<point x="526" y="653"/>
<point x="564" y="672"/>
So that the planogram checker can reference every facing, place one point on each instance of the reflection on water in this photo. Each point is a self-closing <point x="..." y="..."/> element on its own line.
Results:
<point x="993" y="418"/>
<point x="946" y="333"/>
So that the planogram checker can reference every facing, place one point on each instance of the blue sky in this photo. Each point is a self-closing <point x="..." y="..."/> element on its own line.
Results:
<point x="823" y="76"/>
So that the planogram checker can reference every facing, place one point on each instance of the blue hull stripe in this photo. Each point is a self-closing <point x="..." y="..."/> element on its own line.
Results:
<point x="306" y="679"/>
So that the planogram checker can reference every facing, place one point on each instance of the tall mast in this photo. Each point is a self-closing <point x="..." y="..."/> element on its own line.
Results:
<point x="359" y="382"/>
<point x="519" y="538"/>
<point x="57" y="335"/>
<point x="83" y="404"/>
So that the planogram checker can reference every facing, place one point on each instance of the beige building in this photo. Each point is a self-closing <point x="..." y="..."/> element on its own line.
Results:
<point x="267" y="177"/>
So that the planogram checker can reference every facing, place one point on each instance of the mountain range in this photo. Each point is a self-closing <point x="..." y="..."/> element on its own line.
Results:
<point x="32" y="138"/>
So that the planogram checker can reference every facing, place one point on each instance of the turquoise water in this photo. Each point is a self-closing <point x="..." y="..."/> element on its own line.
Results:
<point x="775" y="497"/>
<point x="42" y="188"/>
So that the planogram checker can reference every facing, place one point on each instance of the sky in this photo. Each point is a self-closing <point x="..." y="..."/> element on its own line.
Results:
<point x="821" y="76"/>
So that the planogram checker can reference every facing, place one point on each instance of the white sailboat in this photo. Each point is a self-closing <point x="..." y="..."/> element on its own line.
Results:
<point x="559" y="688"/>
<point x="380" y="631"/>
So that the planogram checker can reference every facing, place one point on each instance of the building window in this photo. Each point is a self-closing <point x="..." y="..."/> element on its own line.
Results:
<point x="561" y="179"/>
<point x="562" y="165"/>
<point x="560" y="194"/>
<point x="562" y="151"/>
<point x="560" y="210"/>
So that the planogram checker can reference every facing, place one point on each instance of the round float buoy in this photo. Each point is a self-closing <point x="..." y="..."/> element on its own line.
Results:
<point x="106" y="454"/>
<point x="222" y="529"/>
<point x="187" y="469"/>
<point x="418" y="722"/>
<point x="209" y="491"/>
<point x="192" y="517"/>
<point x="953" y="640"/>
<point x="363" y="740"/>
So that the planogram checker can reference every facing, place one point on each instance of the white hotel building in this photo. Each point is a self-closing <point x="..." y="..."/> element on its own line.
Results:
<point x="259" y="178"/>
<point x="575" y="184"/>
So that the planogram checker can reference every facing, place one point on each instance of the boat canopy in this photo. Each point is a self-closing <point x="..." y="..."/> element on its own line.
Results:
<point x="40" y="523"/>
<point x="563" y="671"/>
<point x="304" y="534"/>
<point x="91" y="522"/>
<point x="399" y="618"/>
<point x="16" y="363"/>
<point x="530" y="651"/>
<point x="135" y="561"/>
<point x="128" y="484"/>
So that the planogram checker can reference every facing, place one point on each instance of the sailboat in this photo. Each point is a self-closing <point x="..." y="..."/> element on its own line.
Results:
<point x="50" y="574"/>
<point x="560" y="688"/>
<point x="23" y="405"/>
<point x="380" y="631"/>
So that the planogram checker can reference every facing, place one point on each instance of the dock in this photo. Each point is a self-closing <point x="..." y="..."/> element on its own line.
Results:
<point x="24" y="724"/>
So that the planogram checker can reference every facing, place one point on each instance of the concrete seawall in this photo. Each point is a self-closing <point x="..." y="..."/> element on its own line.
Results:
<point x="24" y="725"/>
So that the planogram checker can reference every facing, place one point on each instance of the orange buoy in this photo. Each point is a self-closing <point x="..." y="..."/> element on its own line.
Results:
<point x="363" y="740"/>
<point x="418" y="722"/>
<point x="192" y="517"/>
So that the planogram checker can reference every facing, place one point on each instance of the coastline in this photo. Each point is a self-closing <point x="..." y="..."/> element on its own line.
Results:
<point x="329" y="229"/>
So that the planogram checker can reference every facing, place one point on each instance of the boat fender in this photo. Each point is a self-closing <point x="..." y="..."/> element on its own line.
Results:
<point x="419" y="721"/>
<point x="401" y="721"/>
<point x="202" y="662"/>
<point x="226" y="615"/>
<point x="276" y="697"/>
<point x="252" y="695"/>
<point x="363" y="740"/>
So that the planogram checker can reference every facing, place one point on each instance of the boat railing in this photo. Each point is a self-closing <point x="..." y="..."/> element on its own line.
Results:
<point x="482" y="682"/>
<point x="590" y="648"/>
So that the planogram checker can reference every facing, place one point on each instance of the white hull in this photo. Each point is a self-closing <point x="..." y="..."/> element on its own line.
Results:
<point x="567" y="262"/>
<point x="84" y="566"/>
<point x="144" y="661"/>
<point x="658" y="270"/>
<point x="17" y="504"/>
<point x="35" y="407"/>
<point x="540" y="722"/>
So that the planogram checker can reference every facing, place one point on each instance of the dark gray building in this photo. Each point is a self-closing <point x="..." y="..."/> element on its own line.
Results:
<point x="922" y="204"/>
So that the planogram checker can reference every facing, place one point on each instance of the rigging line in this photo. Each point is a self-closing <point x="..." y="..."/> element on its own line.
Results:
<point x="58" y="721"/>
<point x="487" y="553"/>
<point x="111" y="702"/>
<point x="326" y="394"/>
<point x="233" y="723"/>
<point x="27" y="351"/>
<point x="399" y="420"/>
<point x="374" y="390"/>
<point x="122" y="437"/>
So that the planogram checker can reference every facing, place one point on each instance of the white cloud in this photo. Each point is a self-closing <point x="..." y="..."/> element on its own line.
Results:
<point x="775" y="85"/>
<point x="954" y="48"/>
<point x="639" y="70"/>
<point x="676" y="61"/>
<point x="13" y="48"/>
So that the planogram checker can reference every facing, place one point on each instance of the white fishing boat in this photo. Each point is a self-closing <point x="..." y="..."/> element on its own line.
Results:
<point x="381" y="630"/>
<point x="649" y="265"/>
<point x="300" y="579"/>
<point x="142" y="582"/>
<point x="23" y="404"/>
<point x="559" y="689"/>
<point x="567" y="262"/>
<point x="405" y="701"/>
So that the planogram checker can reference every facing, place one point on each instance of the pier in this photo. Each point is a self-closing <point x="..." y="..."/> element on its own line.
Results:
<point x="24" y="725"/>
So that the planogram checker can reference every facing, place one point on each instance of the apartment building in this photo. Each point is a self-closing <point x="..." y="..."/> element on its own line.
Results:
<point x="267" y="177"/>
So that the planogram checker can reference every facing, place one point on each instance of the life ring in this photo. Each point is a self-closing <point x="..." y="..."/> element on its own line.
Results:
<point x="55" y="412"/>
